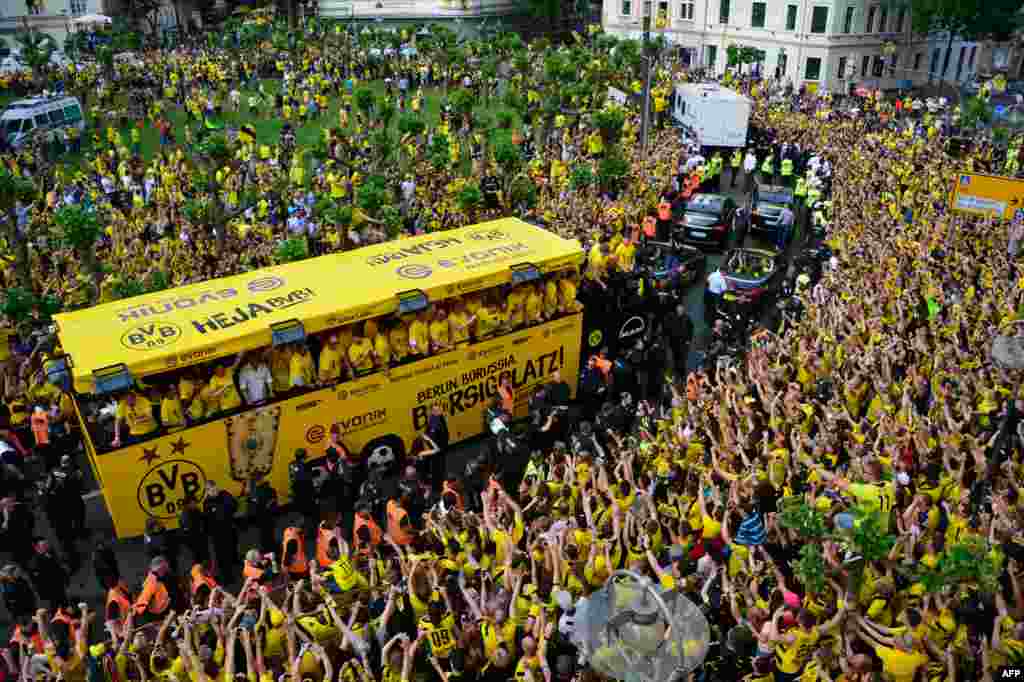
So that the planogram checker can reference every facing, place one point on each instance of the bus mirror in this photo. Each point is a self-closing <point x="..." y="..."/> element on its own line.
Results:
<point x="412" y="301"/>
<point x="289" y="331"/>
<point x="112" y="379"/>
<point x="56" y="369"/>
<point x="524" y="272"/>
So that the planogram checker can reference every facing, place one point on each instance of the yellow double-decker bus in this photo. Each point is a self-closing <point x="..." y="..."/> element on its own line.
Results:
<point x="223" y="381"/>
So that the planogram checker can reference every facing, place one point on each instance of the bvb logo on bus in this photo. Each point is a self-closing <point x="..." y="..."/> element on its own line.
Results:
<point x="164" y="488"/>
<point x="151" y="335"/>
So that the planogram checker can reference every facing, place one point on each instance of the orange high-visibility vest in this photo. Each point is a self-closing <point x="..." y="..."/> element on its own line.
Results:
<point x="154" y="598"/>
<point x="395" y="515"/>
<point x="664" y="211"/>
<point x="650" y="226"/>
<point x="36" y="642"/>
<point x="118" y="594"/>
<point x="324" y="538"/>
<point x="376" y="534"/>
<point x="199" y="579"/>
<point x="251" y="571"/>
<point x="299" y="565"/>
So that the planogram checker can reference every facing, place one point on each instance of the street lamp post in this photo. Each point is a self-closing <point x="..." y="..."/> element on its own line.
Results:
<point x="648" y="69"/>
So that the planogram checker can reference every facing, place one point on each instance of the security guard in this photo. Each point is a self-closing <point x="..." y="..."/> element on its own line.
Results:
<point x="768" y="168"/>
<point x="787" y="171"/>
<point x="735" y="163"/>
<point x="813" y="196"/>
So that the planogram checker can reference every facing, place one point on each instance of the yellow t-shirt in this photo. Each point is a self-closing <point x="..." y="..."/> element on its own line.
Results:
<point x="901" y="666"/>
<point x="439" y="333"/>
<point x="360" y="354"/>
<point x="225" y="392"/>
<point x="139" y="417"/>
<point x="300" y="372"/>
<point x="330" y="364"/>
<point x="419" y="340"/>
<point x="170" y="412"/>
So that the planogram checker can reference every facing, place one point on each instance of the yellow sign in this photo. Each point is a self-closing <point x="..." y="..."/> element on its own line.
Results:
<point x="379" y="416"/>
<point x="217" y="318"/>
<point x="987" y="195"/>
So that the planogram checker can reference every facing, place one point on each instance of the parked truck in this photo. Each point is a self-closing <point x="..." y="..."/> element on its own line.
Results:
<point x="718" y="116"/>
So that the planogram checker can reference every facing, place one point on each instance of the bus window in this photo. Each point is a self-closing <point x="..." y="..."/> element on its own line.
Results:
<point x="28" y="126"/>
<point x="42" y="120"/>
<point x="57" y="116"/>
<point x="72" y="114"/>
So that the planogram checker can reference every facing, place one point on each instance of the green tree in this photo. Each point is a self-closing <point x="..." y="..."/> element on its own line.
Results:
<point x="37" y="49"/>
<point x="967" y="19"/>
<point x="15" y="188"/>
<point x="291" y="250"/>
<point x="80" y="229"/>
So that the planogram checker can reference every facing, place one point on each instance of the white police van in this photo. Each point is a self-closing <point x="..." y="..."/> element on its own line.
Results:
<point x="19" y="120"/>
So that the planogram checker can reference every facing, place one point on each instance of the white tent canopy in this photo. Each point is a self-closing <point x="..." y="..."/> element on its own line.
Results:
<point x="92" y="19"/>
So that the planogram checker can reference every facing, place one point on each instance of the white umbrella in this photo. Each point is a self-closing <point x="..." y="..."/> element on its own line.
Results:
<point x="93" y="19"/>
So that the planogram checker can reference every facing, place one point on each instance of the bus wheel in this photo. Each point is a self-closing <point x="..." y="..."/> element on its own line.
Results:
<point x="384" y="453"/>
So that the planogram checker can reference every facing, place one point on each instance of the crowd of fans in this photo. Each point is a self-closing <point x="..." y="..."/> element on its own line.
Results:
<point x="843" y="504"/>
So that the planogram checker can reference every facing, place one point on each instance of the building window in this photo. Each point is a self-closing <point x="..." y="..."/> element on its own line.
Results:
<point x="960" y="62"/>
<point x="883" y="20"/>
<point x="685" y="10"/>
<point x="865" y="64"/>
<point x="842" y="67"/>
<point x="712" y="55"/>
<point x="900" y="18"/>
<point x="627" y="8"/>
<point x="79" y="7"/>
<point x="819" y="20"/>
<point x="934" y="68"/>
<point x="872" y="11"/>
<point x="876" y="66"/>
<point x="723" y="12"/>
<point x="917" y="61"/>
<point x="848" y="21"/>
<point x="791" y="17"/>
<point x="757" y="14"/>
<point x="812" y="70"/>
<point x="974" y="53"/>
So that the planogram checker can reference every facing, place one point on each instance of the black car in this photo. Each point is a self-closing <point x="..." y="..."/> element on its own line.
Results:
<point x="707" y="220"/>
<point x="767" y="204"/>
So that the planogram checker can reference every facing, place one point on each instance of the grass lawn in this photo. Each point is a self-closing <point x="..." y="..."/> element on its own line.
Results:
<point x="268" y="125"/>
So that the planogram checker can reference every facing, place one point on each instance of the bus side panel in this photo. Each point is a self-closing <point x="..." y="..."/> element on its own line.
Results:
<point x="468" y="379"/>
<point x="152" y="479"/>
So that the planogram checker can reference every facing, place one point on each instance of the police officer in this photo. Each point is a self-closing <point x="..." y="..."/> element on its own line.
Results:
<point x="735" y="162"/>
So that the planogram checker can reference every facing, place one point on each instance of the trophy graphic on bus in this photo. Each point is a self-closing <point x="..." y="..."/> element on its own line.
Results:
<point x="252" y="440"/>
